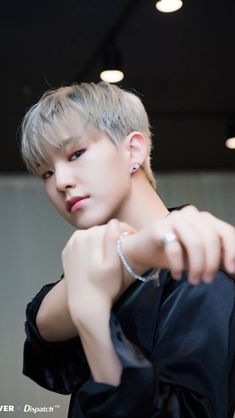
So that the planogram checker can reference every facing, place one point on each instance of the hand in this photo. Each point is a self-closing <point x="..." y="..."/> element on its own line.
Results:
<point x="204" y="242"/>
<point x="93" y="271"/>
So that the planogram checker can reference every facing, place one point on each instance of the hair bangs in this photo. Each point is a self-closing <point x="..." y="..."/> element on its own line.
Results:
<point x="46" y="129"/>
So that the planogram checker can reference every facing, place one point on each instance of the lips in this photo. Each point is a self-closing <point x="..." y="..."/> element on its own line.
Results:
<point x="71" y="203"/>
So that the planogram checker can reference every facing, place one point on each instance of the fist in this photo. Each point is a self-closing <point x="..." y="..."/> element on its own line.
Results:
<point x="92" y="269"/>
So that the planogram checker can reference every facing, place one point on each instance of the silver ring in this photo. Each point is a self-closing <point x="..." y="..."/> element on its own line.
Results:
<point x="168" y="239"/>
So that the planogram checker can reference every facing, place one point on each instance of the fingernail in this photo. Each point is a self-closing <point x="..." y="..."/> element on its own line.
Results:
<point x="193" y="281"/>
<point x="208" y="277"/>
<point x="176" y="275"/>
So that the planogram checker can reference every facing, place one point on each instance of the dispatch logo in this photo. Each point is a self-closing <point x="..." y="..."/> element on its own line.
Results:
<point x="28" y="409"/>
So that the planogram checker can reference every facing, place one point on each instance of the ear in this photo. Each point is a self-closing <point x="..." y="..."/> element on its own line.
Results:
<point x="136" y="144"/>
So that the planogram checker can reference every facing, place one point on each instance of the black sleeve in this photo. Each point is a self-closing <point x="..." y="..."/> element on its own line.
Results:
<point x="57" y="366"/>
<point x="142" y="393"/>
<point x="188" y="376"/>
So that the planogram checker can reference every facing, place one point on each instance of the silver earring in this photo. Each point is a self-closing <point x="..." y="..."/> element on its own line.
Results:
<point x="135" y="168"/>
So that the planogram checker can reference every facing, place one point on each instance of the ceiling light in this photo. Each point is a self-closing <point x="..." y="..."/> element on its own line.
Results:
<point x="230" y="143"/>
<point x="112" y="71"/>
<point x="111" y="76"/>
<point x="168" y="6"/>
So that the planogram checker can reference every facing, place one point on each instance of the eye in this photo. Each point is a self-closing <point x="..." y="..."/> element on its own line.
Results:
<point x="76" y="155"/>
<point x="46" y="175"/>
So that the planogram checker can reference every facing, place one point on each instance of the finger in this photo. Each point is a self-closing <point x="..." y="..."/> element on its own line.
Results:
<point x="226" y="233"/>
<point x="111" y="235"/>
<point x="194" y="249"/>
<point x="175" y="257"/>
<point x="212" y="249"/>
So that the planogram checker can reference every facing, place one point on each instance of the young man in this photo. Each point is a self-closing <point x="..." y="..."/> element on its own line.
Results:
<point x="124" y="341"/>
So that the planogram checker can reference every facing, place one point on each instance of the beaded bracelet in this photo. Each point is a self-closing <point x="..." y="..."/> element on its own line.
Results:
<point x="154" y="273"/>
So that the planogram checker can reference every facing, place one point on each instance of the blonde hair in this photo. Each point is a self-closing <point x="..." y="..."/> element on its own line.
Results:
<point x="107" y="107"/>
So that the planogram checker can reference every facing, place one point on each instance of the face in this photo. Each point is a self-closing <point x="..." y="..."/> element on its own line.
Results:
<point x="95" y="171"/>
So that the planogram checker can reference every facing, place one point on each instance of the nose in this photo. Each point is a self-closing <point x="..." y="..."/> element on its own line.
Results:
<point x="64" y="177"/>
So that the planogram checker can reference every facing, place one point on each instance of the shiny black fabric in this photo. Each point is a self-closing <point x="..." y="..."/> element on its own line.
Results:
<point x="176" y="343"/>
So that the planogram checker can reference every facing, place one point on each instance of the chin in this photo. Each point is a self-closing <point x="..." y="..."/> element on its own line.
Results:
<point x="87" y="217"/>
<point x="82" y="223"/>
<point x="86" y="221"/>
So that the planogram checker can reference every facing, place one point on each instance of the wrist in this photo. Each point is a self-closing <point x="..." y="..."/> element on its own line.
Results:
<point x="90" y="311"/>
<point x="130" y="249"/>
<point x="94" y="324"/>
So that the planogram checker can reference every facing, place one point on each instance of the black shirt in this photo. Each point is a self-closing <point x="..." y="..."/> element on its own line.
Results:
<point x="176" y="343"/>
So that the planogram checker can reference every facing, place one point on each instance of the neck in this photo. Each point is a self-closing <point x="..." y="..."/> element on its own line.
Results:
<point x="142" y="205"/>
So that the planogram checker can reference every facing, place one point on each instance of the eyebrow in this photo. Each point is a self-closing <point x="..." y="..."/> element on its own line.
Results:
<point x="65" y="142"/>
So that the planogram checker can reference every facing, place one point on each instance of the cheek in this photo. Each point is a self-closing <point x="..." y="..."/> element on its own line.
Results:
<point x="106" y="162"/>
<point x="114" y="187"/>
<point x="115" y="171"/>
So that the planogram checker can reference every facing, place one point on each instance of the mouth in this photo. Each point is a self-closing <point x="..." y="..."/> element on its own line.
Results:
<point x="75" y="203"/>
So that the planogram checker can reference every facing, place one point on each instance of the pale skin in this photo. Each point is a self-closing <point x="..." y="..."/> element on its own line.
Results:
<point x="118" y="201"/>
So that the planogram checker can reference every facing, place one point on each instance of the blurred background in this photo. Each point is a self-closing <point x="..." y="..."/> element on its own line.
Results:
<point x="180" y="63"/>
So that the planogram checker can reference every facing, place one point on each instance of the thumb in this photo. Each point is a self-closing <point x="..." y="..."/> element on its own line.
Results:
<point x="112" y="233"/>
